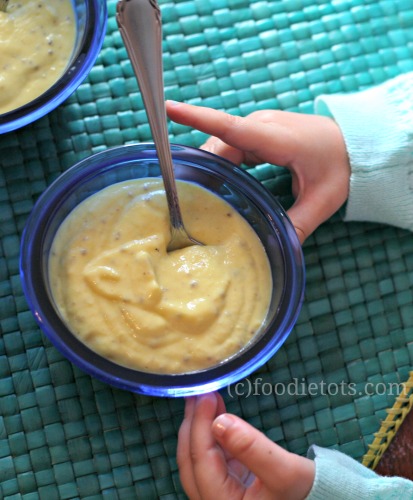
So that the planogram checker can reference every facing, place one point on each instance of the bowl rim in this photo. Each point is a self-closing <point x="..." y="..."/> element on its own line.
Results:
<point x="69" y="81"/>
<point x="236" y="367"/>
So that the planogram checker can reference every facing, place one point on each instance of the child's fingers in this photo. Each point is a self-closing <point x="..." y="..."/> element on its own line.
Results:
<point x="208" y="460"/>
<point x="255" y="138"/>
<point x="277" y="469"/>
<point x="183" y="451"/>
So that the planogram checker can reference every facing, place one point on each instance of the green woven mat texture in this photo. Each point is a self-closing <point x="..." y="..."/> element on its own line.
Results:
<point x="65" y="435"/>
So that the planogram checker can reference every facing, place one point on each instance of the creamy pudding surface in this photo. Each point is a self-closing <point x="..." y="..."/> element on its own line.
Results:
<point x="129" y="300"/>
<point x="36" y="42"/>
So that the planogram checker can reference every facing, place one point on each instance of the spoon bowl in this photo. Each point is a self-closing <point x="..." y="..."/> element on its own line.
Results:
<point x="139" y="23"/>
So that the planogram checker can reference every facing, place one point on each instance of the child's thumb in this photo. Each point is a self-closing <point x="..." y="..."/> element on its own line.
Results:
<point x="281" y="471"/>
<point x="248" y="445"/>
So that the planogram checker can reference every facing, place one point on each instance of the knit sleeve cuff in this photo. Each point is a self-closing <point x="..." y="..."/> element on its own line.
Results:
<point x="377" y="126"/>
<point x="343" y="478"/>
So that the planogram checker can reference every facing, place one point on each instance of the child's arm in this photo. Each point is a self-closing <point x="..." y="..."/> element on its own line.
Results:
<point x="361" y="149"/>
<point x="377" y="125"/>
<point x="221" y="456"/>
<point x="342" y="478"/>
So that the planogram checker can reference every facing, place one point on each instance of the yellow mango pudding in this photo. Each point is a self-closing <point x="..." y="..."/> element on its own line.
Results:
<point x="37" y="39"/>
<point x="102" y="287"/>
<point x="132" y="302"/>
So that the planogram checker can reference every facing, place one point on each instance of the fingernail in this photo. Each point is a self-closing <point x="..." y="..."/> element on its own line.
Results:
<point x="203" y="397"/>
<point x="173" y="103"/>
<point x="222" y="423"/>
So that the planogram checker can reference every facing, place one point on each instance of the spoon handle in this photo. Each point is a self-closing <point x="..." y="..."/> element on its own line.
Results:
<point x="140" y="26"/>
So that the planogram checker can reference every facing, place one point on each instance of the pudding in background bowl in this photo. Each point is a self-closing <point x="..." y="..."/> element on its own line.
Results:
<point x="240" y="192"/>
<point x="37" y="40"/>
<point x="47" y="49"/>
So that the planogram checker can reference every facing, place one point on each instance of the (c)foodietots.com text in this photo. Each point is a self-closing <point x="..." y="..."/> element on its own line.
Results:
<point x="303" y="387"/>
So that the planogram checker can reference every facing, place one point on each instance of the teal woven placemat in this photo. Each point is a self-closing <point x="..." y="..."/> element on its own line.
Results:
<point x="64" y="435"/>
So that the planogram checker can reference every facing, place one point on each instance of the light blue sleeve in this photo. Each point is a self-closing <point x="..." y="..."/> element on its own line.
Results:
<point x="339" y="477"/>
<point x="377" y="126"/>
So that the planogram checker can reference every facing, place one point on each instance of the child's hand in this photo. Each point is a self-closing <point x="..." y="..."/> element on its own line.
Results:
<point x="220" y="456"/>
<point x="310" y="146"/>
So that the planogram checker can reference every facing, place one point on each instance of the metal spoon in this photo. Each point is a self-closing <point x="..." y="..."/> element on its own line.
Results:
<point x="140" y="25"/>
<point x="3" y="5"/>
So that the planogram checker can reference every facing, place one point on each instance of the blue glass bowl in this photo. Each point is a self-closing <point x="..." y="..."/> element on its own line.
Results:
<point x="241" y="190"/>
<point x="91" y="19"/>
